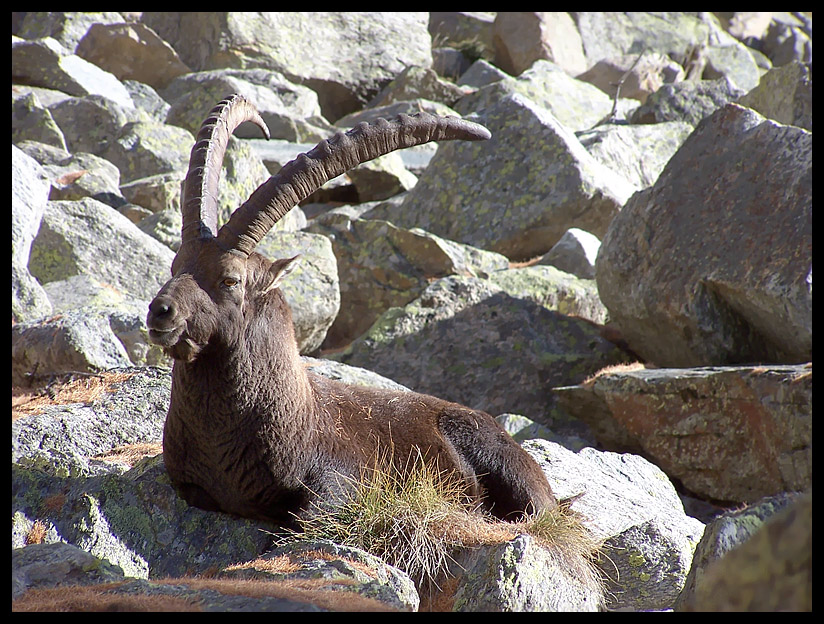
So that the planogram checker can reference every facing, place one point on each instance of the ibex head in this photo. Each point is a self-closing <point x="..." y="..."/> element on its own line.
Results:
<point x="218" y="283"/>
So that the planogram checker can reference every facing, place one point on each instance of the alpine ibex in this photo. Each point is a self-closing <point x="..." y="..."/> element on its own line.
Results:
<point x="250" y="430"/>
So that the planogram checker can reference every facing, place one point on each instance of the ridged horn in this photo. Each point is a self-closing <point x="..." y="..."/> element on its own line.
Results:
<point x="200" y="189"/>
<point x="302" y="176"/>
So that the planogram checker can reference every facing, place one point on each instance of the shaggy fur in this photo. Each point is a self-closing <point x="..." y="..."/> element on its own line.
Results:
<point x="251" y="432"/>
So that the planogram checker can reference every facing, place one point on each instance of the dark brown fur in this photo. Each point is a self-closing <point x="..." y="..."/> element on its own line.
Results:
<point x="251" y="432"/>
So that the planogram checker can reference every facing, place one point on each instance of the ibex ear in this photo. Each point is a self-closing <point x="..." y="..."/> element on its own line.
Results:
<point x="280" y="269"/>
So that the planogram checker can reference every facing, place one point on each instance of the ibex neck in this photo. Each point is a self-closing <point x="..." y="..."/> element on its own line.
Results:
<point x="257" y="388"/>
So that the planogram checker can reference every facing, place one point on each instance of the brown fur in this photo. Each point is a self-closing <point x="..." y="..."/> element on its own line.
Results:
<point x="250" y="431"/>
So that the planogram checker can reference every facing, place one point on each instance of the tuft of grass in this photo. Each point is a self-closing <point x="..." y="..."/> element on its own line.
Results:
<point x="417" y="517"/>
<point x="403" y="516"/>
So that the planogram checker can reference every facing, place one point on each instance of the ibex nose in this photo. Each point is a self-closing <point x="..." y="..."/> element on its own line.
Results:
<point x="161" y="310"/>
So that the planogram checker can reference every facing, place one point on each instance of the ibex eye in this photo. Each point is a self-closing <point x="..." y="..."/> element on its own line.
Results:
<point x="229" y="282"/>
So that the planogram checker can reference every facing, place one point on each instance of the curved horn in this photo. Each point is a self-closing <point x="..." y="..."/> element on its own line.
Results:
<point x="200" y="189"/>
<point x="330" y="158"/>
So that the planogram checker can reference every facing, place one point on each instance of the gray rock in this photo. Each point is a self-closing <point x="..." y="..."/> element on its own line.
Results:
<point x="418" y="82"/>
<point x="637" y="152"/>
<point x="680" y="292"/>
<point x="90" y="123"/>
<point x="306" y="47"/>
<point x="31" y="121"/>
<point x="85" y="175"/>
<point x="727" y="532"/>
<point x="291" y="111"/>
<point x="131" y="51"/>
<point x="66" y="27"/>
<point x="481" y="73"/>
<point x="786" y="41"/>
<point x="467" y="31"/>
<point x="784" y="94"/>
<point x="83" y="339"/>
<point x="575" y="253"/>
<point x="772" y="571"/>
<point x="467" y="192"/>
<point x="383" y="266"/>
<point x="449" y="63"/>
<point x="312" y="289"/>
<point x="164" y="226"/>
<point x="610" y="34"/>
<point x="29" y="197"/>
<point x="134" y="520"/>
<point x="699" y="424"/>
<point x="154" y="193"/>
<point x="144" y="148"/>
<point x="467" y="340"/>
<point x="523" y="575"/>
<point x="576" y="104"/>
<point x="120" y="407"/>
<point x="57" y="564"/>
<point x="631" y="504"/>
<point x="522" y="37"/>
<point x="687" y="101"/>
<point x="68" y="244"/>
<point x="553" y="289"/>
<point x="45" y="63"/>
<point x="147" y="100"/>
<point x="637" y="75"/>
<point x="333" y="564"/>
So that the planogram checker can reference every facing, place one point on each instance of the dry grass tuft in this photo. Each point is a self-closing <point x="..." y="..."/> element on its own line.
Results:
<point x="85" y="598"/>
<point x="417" y="518"/>
<point x="63" y="390"/>
<point x="37" y="533"/>
<point x="102" y="598"/>
<point x="130" y="454"/>
<point x="282" y="564"/>
<point x="614" y="368"/>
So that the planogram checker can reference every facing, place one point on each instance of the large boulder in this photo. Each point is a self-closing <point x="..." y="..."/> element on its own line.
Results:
<point x="706" y="427"/>
<point x="576" y="104"/>
<point x="517" y="193"/>
<point x="784" y="94"/>
<point x="68" y="244"/>
<point x="471" y="341"/>
<point x="521" y="37"/>
<point x="46" y="63"/>
<point x="771" y="571"/>
<point x="383" y="266"/>
<point x="713" y="264"/>
<point x="131" y="52"/>
<point x="307" y="47"/>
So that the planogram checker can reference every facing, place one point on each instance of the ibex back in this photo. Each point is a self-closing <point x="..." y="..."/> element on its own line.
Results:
<point x="251" y="431"/>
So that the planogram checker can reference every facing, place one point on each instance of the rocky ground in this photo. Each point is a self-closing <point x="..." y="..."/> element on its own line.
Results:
<point x="622" y="275"/>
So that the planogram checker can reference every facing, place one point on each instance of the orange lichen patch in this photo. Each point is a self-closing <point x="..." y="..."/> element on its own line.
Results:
<point x="130" y="454"/>
<point x="71" y="598"/>
<point x="524" y="263"/>
<point x="71" y="177"/>
<point x="72" y="389"/>
<point x="614" y="368"/>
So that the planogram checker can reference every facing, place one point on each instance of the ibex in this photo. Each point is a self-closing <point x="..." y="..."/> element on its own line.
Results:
<point x="250" y="431"/>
